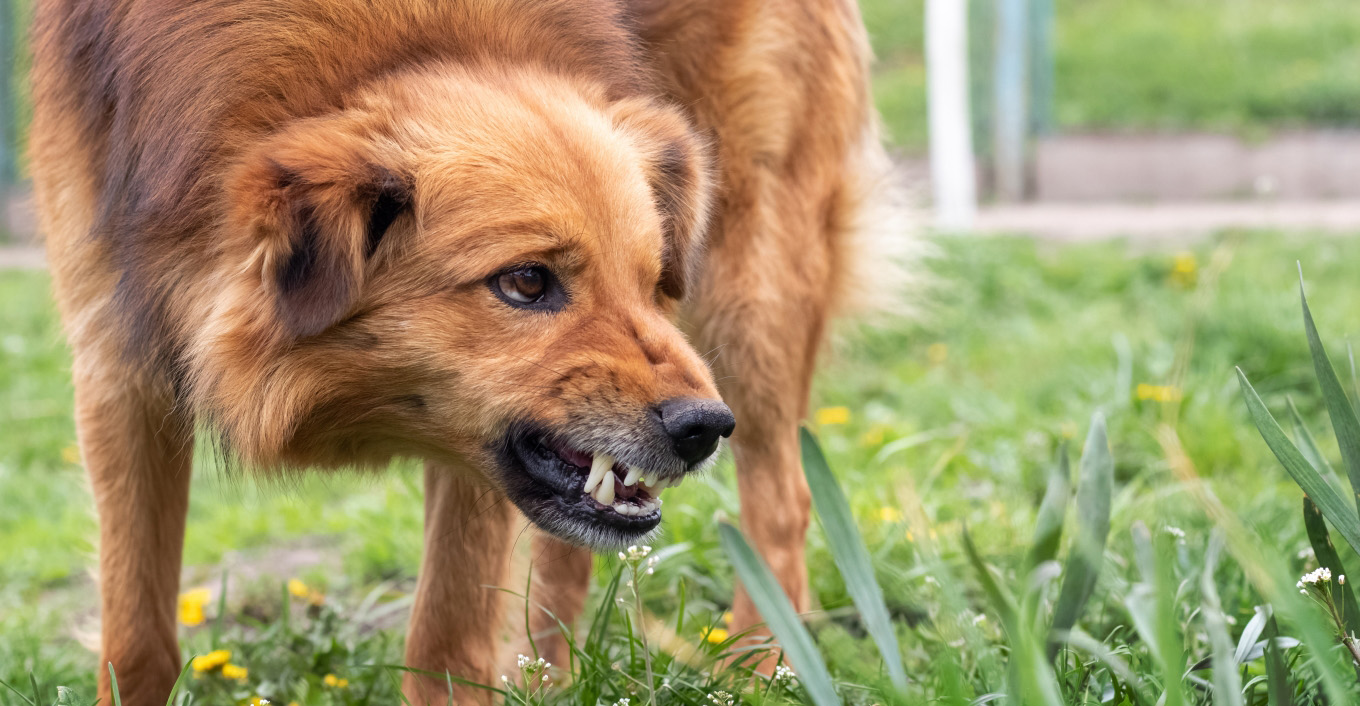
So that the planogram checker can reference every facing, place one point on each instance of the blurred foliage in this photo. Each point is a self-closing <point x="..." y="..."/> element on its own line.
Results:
<point x="1239" y="66"/>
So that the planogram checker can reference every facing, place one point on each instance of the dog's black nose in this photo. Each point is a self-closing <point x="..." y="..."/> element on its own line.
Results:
<point x="695" y="425"/>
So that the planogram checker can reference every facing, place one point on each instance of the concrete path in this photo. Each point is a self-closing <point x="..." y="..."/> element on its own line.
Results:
<point x="1074" y="222"/>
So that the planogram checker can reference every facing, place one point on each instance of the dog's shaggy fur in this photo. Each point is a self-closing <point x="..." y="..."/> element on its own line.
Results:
<point x="283" y="222"/>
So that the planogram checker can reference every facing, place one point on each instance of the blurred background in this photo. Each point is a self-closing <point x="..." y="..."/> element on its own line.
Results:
<point x="1119" y="194"/>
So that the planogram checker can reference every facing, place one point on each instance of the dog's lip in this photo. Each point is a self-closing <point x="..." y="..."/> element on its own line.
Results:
<point x="559" y="473"/>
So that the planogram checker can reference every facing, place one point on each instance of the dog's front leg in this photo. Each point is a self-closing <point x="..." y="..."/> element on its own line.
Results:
<point x="561" y="580"/>
<point x="138" y="452"/>
<point x="458" y="609"/>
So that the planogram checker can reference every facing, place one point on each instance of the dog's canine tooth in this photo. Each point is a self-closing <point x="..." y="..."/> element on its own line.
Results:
<point x="605" y="493"/>
<point x="603" y="463"/>
<point x="633" y="475"/>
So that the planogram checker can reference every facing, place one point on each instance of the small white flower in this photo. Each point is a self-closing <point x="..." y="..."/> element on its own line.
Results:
<point x="1341" y="579"/>
<point x="1176" y="532"/>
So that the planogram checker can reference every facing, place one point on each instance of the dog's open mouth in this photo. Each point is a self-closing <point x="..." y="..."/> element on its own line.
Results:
<point x="584" y="497"/>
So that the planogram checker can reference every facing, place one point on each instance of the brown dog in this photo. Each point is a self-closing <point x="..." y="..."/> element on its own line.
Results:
<point x="332" y="232"/>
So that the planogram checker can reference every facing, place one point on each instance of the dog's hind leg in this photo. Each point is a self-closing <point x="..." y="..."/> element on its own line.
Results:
<point x="469" y="529"/>
<point x="138" y="451"/>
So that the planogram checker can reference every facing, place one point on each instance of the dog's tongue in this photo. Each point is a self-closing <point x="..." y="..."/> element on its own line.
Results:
<point x="624" y="492"/>
<point x="572" y="456"/>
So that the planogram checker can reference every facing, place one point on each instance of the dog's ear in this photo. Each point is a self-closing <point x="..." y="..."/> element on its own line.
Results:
<point x="679" y="173"/>
<point x="316" y="212"/>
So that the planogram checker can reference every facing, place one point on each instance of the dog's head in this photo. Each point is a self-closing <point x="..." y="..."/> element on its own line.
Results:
<point x="477" y="267"/>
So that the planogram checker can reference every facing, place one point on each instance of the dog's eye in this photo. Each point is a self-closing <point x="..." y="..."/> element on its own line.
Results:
<point x="528" y="286"/>
<point x="525" y="285"/>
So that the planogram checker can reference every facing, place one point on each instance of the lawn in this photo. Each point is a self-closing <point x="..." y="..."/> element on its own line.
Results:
<point x="1237" y="66"/>
<point x="949" y="423"/>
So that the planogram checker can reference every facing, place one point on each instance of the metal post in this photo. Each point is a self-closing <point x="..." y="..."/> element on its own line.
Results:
<point x="1041" y="67"/>
<point x="1011" y="119"/>
<point x="951" y="138"/>
<point x="8" y="109"/>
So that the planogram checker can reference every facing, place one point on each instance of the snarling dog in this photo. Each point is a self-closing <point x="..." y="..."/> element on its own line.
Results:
<point x="492" y="234"/>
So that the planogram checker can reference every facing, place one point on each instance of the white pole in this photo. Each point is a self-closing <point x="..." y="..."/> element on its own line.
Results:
<point x="951" y="134"/>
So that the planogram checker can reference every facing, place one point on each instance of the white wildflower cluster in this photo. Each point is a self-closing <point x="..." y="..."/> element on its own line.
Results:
<point x="784" y="676"/>
<point x="722" y="698"/>
<point x="622" y="702"/>
<point x="1176" y="532"/>
<point x="532" y="666"/>
<point x="1317" y="576"/>
<point x="636" y="554"/>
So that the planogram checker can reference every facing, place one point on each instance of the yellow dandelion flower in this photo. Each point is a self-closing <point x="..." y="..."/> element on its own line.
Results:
<point x="334" y="682"/>
<point x="235" y="671"/>
<point x="191" y="605"/>
<point x="937" y="354"/>
<point x="827" y="416"/>
<point x="71" y="455"/>
<point x="727" y="618"/>
<point x="715" y="635"/>
<point x="1158" y="393"/>
<point x="258" y="701"/>
<point x="1185" y="269"/>
<point x="888" y="513"/>
<point x="875" y="435"/>
<point x="298" y="589"/>
<point x="210" y="661"/>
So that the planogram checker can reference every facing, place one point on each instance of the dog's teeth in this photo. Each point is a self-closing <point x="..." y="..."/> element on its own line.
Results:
<point x="605" y="493"/>
<point x="633" y="475"/>
<point x="603" y="463"/>
<point x="623" y="508"/>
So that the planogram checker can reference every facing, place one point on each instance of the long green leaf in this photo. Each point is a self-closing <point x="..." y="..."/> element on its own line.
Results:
<point x="1049" y="523"/>
<point x="1321" y="539"/>
<point x="779" y="616"/>
<point x="1308" y="447"/>
<point x="1333" y="508"/>
<point x="1032" y="680"/>
<point x="1093" y="527"/>
<point x="1227" y="682"/>
<point x="851" y="557"/>
<point x="1279" y="690"/>
<point x="1339" y="409"/>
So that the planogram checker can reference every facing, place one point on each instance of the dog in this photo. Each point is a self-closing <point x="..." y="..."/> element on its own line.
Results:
<point x="492" y="234"/>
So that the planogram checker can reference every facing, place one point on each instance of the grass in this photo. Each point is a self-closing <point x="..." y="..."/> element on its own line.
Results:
<point x="1239" y="66"/>
<point x="953" y="423"/>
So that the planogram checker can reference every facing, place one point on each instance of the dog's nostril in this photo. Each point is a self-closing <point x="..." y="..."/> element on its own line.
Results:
<point x="694" y="426"/>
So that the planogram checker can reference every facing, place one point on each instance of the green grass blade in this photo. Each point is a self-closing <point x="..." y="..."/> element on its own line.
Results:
<point x="1339" y="409"/>
<point x="18" y="693"/>
<point x="1001" y="600"/>
<point x="851" y="557"/>
<point x="1321" y="540"/>
<point x="1278" y="689"/>
<point x="179" y="682"/>
<point x="113" y="686"/>
<point x="1093" y="527"/>
<point x="1227" y="682"/>
<point x="1152" y="606"/>
<point x="1308" y="447"/>
<point x="1333" y="508"/>
<point x="1052" y="510"/>
<point x="1033" y="681"/>
<point x="1355" y="378"/>
<point x="1251" y="632"/>
<point x="779" y="615"/>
